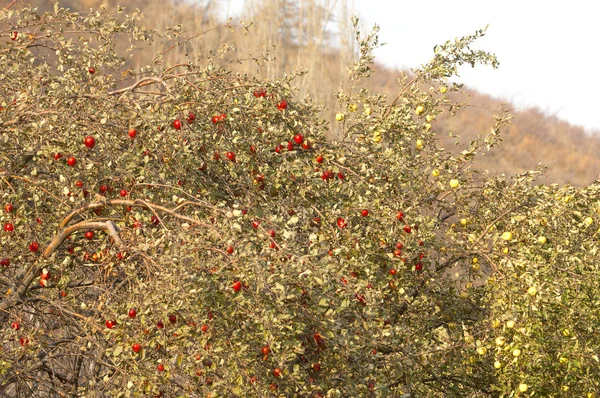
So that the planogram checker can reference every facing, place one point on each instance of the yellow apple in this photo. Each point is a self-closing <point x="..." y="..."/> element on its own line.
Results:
<point x="565" y="388"/>
<point x="542" y="240"/>
<point x="435" y="172"/>
<point x="500" y="341"/>
<point x="588" y="221"/>
<point x="419" y="145"/>
<point x="523" y="387"/>
<point x="464" y="295"/>
<point x="339" y="116"/>
<point x="353" y="107"/>
<point x="419" y="109"/>
<point x="377" y="136"/>
<point x="463" y="221"/>
<point x="497" y="365"/>
<point x="532" y="291"/>
<point x="510" y="324"/>
<point x="566" y="332"/>
<point x="427" y="126"/>
<point x="506" y="236"/>
<point x="495" y="323"/>
<point x="429" y="118"/>
<point x="475" y="267"/>
<point x="563" y="360"/>
<point x="368" y="111"/>
<point x="481" y="350"/>
<point x="516" y="352"/>
<point x="443" y="89"/>
<point x="453" y="183"/>
<point x="505" y="250"/>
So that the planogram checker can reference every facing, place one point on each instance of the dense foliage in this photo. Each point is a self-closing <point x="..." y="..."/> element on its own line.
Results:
<point x="181" y="230"/>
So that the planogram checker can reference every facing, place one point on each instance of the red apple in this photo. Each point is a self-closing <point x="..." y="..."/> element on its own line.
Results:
<point x="14" y="35"/>
<point x="277" y="372"/>
<point x="204" y="328"/>
<point x="91" y="70"/>
<point x="230" y="249"/>
<point x="160" y="367"/>
<point x="8" y="208"/>
<point x="282" y="105"/>
<point x="57" y="156"/>
<point x="341" y="223"/>
<point x="136" y="347"/>
<point x="15" y="325"/>
<point x="191" y="117"/>
<point x="89" y="235"/>
<point x="319" y="159"/>
<point x="271" y="233"/>
<point x="290" y="146"/>
<point x="5" y="262"/>
<point x="419" y="266"/>
<point x="317" y="367"/>
<point x="393" y="271"/>
<point x="341" y="175"/>
<point x="132" y="313"/>
<point x="111" y="324"/>
<point x="407" y="229"/>
<point x="364" y="212"/>
<point x="132" y="132"/>
<point x="177" y="124"/>
<point x="34" y="247"/>
<point x="172" y="318"/>
<point x="306" y="145"/>
<point x="237" y="286"/>
<point x="266" y="350"/>
<point x="71" y="161"/>
<point x="89" y="141"/>
<point x="123" y="192"/>
<point x="255" y="224"/>
<point x="79" y="184"/>
<point x="160" y="325"/>
<point x="400" y="215"/>
<point x="23" y="341"/>
<point x="230" y="156"/>
<point x="298" y="139"/>
<point x="8" y="227"/>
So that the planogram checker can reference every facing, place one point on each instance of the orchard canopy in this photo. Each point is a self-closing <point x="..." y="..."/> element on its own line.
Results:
<point x="181" y="230"/>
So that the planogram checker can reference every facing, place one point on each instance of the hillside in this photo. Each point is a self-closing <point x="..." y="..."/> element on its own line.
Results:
<point x="297" y="34"/>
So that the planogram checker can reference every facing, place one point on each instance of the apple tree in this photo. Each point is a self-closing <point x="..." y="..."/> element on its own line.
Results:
<point x="183" y="230"/>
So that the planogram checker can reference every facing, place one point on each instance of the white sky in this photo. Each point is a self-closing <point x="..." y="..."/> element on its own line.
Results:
<point x="548" y="50"/>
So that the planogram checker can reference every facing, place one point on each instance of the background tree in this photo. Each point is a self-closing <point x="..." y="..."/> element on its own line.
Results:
<point x="184" y="230"/>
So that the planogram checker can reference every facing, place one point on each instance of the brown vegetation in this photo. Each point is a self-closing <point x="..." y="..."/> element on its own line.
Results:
<point x="298" y="34"/>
